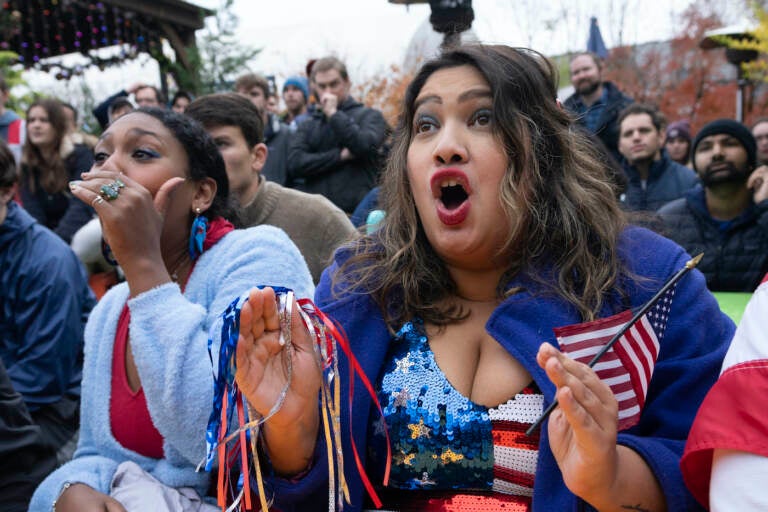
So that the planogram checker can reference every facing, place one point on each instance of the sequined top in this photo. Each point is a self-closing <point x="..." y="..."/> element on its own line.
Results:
<point x="443" y="441"/>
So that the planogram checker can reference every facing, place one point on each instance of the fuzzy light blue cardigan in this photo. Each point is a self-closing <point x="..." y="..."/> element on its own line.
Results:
<point x="169" y="339"/>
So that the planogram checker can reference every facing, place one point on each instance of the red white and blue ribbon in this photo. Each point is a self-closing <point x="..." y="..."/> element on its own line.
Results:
<point x="234" y="442"/>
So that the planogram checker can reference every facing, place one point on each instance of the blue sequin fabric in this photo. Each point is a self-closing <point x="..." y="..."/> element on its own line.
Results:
<point x="441" y="440"/>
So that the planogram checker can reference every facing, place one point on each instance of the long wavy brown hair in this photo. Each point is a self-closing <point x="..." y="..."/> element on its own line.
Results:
<point x="563" y="216"/>
<point x="47" y="163"/>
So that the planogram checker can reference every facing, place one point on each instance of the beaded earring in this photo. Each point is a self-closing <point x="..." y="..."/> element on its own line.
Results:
<point x="197" y="235"/>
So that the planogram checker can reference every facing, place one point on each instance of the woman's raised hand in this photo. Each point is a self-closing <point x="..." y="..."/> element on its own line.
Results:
<point x="262" y="374"/>
<point x="582" y="430"/>
<point x="132" y="223"/>
<point x="131" y="219"/>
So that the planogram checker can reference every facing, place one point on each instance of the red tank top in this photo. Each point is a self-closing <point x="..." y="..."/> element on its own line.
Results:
<point x="129" y="416"/>
<point x="128" y="413"/>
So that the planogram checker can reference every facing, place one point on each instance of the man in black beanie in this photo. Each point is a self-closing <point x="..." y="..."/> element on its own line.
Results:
<point x="722" y="216"/>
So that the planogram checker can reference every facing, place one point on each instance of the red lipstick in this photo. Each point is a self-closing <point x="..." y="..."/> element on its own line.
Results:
<point x="450" y="177"/>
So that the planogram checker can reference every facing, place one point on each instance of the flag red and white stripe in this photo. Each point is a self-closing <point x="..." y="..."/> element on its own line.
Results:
<point x="627" y="367"/>
<point x="732" y="417"/>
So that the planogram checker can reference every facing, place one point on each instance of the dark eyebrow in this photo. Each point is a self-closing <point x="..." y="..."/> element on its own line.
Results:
<point x="136" y="132"/>
<point x="327" y="83"/>
<point x="473" y="94"/>
<point x="465" y="96"/>
<point x="426" y="99"/>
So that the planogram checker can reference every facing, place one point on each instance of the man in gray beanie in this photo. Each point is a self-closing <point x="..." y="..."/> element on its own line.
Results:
<point x="723" y="217"/>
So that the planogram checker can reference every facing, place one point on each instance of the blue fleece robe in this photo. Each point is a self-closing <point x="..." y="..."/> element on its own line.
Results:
<point x="169" y="340"/>
<point x="692" y="350"/>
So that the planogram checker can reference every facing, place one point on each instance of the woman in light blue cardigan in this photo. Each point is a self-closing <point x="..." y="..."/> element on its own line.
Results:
<point x="157" y="174"/>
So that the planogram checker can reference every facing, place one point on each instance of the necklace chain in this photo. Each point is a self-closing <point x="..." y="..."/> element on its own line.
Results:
<point x="175" y="272"/>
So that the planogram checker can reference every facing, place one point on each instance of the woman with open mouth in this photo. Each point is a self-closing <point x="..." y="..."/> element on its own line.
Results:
<point x="501" y="229"/>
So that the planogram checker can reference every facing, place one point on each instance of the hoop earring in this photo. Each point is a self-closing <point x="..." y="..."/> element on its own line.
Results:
<point x="197" y="235"/>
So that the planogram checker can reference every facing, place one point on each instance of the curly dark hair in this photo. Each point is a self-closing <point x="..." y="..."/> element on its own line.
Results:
<point x="204" y="158"/>
<point x="564" y="219"/>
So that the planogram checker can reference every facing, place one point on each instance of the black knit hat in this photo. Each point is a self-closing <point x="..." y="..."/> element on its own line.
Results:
<point x="729" y="127"/>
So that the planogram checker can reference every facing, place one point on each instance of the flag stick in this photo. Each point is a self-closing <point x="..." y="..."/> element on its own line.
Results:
<point x="640" y="312"/>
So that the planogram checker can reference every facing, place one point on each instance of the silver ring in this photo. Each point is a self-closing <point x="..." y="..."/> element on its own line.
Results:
<point x="97" y="200"/>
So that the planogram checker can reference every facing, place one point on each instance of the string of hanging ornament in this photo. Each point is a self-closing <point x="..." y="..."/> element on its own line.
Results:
<point x="234" y="427"/>
<point x="39" y="31"/>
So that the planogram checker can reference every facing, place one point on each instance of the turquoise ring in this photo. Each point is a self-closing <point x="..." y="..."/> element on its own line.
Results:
<point x="109" y="192"/>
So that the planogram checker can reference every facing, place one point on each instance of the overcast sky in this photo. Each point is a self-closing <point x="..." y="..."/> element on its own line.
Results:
<point x="371" y="35"/>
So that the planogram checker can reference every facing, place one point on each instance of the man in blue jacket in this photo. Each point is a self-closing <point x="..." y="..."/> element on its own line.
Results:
<point x="596" y="102"/>
<point x="653" y="178"/>
<point x="44" y="304"/>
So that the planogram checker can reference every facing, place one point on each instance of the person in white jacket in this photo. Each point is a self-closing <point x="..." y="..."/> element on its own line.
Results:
<point x="726" y="457"/>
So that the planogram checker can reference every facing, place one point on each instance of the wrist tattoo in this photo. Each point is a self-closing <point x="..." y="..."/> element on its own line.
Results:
<point x="637" y="508"/>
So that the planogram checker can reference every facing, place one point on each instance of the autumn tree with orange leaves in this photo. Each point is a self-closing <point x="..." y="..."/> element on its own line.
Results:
<point x="385" y="92"/>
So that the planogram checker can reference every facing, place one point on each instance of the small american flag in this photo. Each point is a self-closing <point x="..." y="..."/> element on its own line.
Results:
<point x="628" y="365"/>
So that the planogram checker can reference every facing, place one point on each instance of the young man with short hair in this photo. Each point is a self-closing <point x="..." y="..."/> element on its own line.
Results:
<point x="312" y="222"/>
<point x="276" y="134"/>
<point x="653" y="178"/>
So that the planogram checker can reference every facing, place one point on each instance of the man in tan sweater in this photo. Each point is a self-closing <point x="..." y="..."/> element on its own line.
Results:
<point x="312" y="222"/>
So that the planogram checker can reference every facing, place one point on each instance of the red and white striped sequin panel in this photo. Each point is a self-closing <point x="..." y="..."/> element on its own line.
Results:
<point x="514" y="453"/>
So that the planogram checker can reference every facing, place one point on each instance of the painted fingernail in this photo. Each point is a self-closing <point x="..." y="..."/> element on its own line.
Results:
<point x="74" y="184"/>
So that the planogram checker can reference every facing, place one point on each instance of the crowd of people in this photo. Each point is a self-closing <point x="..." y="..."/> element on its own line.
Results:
<point x="455" y="250"/>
